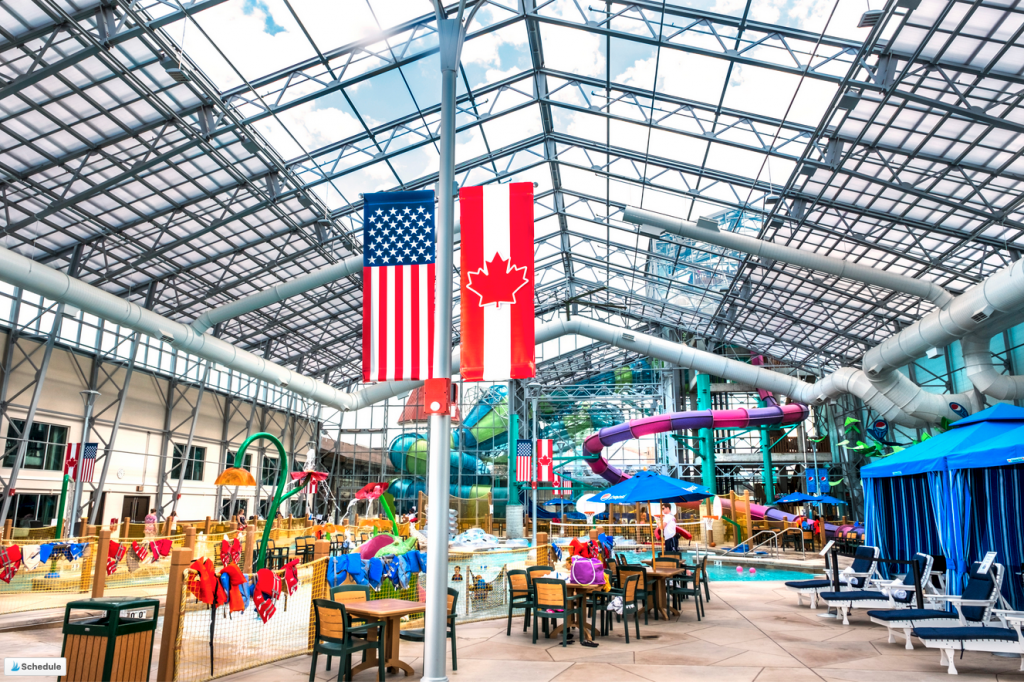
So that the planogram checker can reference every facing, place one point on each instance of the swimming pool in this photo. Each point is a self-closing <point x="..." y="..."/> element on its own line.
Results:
<point x="727" y="571"/>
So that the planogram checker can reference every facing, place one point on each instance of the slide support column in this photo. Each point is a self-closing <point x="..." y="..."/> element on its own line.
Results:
<point x="706" y="436"/>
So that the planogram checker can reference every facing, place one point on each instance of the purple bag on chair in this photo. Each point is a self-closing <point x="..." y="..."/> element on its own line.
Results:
<point x="583" y="571"/>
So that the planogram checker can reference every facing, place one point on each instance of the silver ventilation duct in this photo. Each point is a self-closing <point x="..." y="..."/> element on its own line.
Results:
<point x="787" y="254"/>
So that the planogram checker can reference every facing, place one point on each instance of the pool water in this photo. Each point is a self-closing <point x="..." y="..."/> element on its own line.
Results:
<point x="728" y="572"/>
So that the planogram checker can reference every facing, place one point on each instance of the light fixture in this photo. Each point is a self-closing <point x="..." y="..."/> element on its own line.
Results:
<point x="771" y="199"/>
<point x="173" y="69"/>
<point x="849" y="99"/>
<point x="870" y="18"/>
<point x="323" y="230"/>
<point x="249" y="145"/>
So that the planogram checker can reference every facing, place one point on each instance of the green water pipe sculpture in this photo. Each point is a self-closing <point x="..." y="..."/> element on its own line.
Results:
<point x="236" y="475"/>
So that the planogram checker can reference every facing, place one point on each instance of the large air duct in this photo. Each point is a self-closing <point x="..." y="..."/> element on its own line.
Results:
<point x="890" y="393"/>
<point x="787" y="254"/>
<point x="278" y="293"/>
<point x="982" y="372"/>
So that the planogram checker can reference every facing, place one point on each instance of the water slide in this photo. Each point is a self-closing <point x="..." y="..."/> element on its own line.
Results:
<point x="772" y="415"/>
<point x="760" y="512"/>
<point x="740" y="418"/>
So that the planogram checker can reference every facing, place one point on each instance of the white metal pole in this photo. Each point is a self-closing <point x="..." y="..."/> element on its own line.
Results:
<point x="439" y="463"/>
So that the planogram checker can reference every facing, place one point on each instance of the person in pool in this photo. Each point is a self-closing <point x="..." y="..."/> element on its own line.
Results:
<point x="458" y="573"/>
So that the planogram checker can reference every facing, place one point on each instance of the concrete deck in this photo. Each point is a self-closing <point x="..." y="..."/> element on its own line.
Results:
<point x="753" y="632"/>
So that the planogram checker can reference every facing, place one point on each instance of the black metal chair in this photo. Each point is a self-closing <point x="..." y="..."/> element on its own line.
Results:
<point x="335" y="636"/>
<point x="688" y="585"/>
<point x="630" y="597"/>
<point x="277" y="557"/>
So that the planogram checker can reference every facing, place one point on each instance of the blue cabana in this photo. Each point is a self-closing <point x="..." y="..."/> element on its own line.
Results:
<point x="957" y="494"/>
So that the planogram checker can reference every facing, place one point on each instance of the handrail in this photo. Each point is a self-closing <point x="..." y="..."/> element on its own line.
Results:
<point x="774" y="536"/>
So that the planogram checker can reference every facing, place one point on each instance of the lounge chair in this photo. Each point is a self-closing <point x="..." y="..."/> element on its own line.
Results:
<point x="995" y="640"/>
<point x="973" y="609"/>
<point x="876" y="598"/>
<point x="864" y="568"/>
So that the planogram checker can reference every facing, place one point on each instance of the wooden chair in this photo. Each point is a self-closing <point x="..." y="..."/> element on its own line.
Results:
<point x="335" y="636"/>
<point x="518" y="597"/>
<point x="416" y="635"/>
<point x="552" y="602"/>
<point x="642" y="593"/>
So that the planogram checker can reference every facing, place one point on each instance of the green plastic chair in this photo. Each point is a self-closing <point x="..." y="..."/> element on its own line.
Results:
<point x="416" y="635"/>
<point x="335" y="637"/>
<point x="518" y="597"/>
<point x="552" y="602"/>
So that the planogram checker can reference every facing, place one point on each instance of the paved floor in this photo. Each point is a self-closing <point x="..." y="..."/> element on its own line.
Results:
<point x="752" y="632"/>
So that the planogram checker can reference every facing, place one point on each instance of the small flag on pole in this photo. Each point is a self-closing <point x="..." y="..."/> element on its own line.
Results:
<point x="71" y="453"/>
<point x="524" y="461"/>
<point x="546" y="464"/>
<point x="84" y="470"/>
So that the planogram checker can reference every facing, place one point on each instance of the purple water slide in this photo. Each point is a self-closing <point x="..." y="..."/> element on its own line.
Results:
<point x="759" y="512"/>
<point x="772" y="415"/>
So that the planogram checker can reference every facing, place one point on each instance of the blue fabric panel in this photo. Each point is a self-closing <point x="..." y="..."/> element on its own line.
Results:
<point x="899" y="517"/>
<point x="997" y="498"/>
<point x="808" y="584"/>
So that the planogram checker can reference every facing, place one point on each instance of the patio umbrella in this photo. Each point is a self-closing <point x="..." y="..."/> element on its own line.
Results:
<point x="648" y="486"/>
<point x="795" y="498"/>
<point x="827" y="499"/>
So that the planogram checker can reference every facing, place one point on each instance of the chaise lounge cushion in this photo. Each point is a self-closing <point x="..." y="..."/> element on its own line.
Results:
<point x="967" y="633"/>
<point x="816" y="584"/>
<point x="912" y="614"/>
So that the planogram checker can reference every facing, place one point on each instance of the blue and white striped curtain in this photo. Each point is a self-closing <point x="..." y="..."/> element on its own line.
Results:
<point x="997" y="521"/>
<point x="899" y="517"/>
<point x="951" y="506"/>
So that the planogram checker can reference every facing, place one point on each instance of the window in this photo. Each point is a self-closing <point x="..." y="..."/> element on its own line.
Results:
<point x="246" y="460"/>
<point x="46" y="443"/>
<point x="193" y="465"/>
<point x="34" y="511"/>
<point x="268" y="471"/>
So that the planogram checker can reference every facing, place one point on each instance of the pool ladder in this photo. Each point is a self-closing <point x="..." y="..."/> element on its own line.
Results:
<point x="772" y="542"/>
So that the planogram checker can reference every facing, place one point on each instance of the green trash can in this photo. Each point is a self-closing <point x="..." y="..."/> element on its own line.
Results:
<point x="118" y="645"/>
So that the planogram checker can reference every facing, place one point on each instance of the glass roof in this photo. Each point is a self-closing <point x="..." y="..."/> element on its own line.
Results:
<point x="180" y="153"/>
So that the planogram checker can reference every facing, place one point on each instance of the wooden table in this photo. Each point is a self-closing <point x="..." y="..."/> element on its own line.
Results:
<point x="658" y="577"/>
<point x="586" y="591"/>
<point x="390" y="611"/>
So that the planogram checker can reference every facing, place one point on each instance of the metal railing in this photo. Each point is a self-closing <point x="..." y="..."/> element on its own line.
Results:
<point x="772" y="542"/>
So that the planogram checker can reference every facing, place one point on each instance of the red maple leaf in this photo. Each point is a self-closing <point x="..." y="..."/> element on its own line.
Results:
<point x="497" y="281"/>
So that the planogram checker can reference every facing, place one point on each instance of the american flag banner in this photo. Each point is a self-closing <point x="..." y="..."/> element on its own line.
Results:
<point x="87" y="463"/>
<point x="524" y="461"/>
<point x="398" y="286"/>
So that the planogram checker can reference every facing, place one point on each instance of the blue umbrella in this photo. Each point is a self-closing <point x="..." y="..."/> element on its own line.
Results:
<point x="796" y="498"/>
<point x="827" y="499"/>
<point x="648" y="486"/>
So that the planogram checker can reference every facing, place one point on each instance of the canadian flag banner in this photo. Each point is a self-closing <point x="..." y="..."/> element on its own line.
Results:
<point x="497" y="282"/>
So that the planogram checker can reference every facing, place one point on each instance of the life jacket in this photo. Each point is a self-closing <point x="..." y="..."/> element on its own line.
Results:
<point x="268" y="589"/>
<point x="10" y="560"/>
<point x="235" y="580"/>
<point x="205" y="586"/>
<point x="230" y="552"/>
<point x="140" y="550"/>
<point x="291" y="576"/>
<point x="160" y="549"/>
<point x="115" y="552"/>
